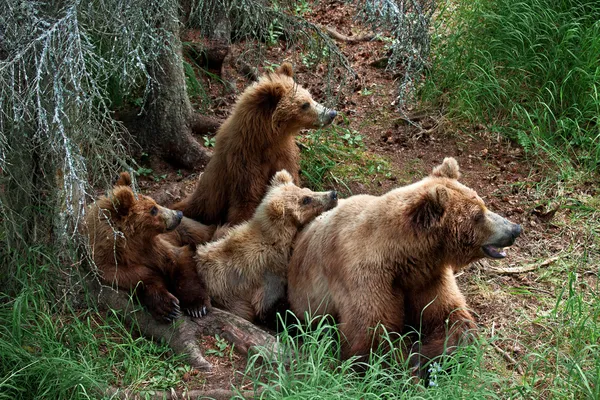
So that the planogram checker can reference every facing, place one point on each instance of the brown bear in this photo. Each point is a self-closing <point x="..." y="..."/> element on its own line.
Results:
<point x="133" y="251"/>
<point x="246" y="270"/>
<point x="255" y="142"/>
<point x="389" y="260"/>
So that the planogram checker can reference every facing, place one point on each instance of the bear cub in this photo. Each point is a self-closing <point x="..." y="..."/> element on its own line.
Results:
<point x="257" y="140"/>
<point x="246" y="270"/>
<point x="134" y="249"/>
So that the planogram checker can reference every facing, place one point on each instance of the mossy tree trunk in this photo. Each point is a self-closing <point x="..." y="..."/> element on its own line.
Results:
<point x="169" y="120"/>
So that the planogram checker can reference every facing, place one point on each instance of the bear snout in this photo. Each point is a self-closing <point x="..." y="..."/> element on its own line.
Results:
<point x="331" y="115"/>
<point x="333" y="195"/>
<point x="172" y="218"/>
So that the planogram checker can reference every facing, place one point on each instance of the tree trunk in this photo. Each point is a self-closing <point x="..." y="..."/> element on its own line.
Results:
<point x="169" y="119"/>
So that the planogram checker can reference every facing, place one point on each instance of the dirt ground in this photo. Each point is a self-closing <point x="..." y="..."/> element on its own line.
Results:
<point x="509" y="182"/>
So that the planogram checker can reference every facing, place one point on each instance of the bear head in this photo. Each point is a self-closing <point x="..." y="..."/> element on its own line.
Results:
<point x="137" y="213"/>
<point x="457" y="216"/>
<point x="289" y="203"/>
<point x="290" y="106"/>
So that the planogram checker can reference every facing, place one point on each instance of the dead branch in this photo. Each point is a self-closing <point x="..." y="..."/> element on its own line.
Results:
<point x="343" y="38"/>
<point x="508" y="358"/>
<point x="525" y="268"/>
<point x="183" y="335"/>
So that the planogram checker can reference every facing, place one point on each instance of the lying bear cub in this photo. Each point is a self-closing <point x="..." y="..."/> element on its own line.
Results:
<point x="135" y="248"/>
<point x="246" y="270"/>
<point x="390" y="260"/>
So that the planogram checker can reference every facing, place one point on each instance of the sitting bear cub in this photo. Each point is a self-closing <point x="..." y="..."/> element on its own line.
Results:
<point x="246" y="270"/>
<point x="134" y="247"/>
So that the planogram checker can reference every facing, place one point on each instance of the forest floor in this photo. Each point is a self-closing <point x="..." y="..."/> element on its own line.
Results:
<point x="385" y="151"/>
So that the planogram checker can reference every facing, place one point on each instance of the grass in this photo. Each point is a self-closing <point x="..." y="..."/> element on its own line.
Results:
<point x="48" y="350"/>
<point x="528" y="69"/>
<point x="335" y="156"/>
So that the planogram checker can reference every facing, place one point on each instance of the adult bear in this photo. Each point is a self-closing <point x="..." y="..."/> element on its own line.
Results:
<point x="255" y="142"/>
<point x="390" y="259"/>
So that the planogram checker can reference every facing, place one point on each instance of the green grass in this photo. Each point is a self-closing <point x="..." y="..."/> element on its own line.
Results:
<point x="48" y="350"/>
<point x="528" y="69"/>
<point x="335" y="156"/>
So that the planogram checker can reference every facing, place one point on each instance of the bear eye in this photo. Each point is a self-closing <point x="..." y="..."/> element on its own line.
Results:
<point x="306" y="200"/>
<point x="305" y="106"/>
<point x="479" y="216"/>
<point x="153" y="211"/>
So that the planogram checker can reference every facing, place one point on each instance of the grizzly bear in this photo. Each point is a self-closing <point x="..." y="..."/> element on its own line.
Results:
<point x="255" y="142"/>
<point x="390" y="259"/>
<point x="133" y="250"/>
<point x="246" y="270"/>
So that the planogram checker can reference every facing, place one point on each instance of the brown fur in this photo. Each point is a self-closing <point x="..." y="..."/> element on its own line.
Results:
<point x="390" y="260"/>
<point x="132" y="251"/>
<point x="246" y="270"/>
<point x="257" y="140"/>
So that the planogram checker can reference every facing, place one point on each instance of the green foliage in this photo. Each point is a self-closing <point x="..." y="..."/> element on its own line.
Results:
<point x="221" y="346"/>
<point x="528" y="68"/>
<point x="49" y="350"/>
<point x="334" y="155"/>
<point x="209" y="141"/>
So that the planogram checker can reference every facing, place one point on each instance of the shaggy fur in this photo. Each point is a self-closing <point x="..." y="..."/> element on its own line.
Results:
<point x="246" y="270"/>
<point x="390" y="260"/>
<point x="132" y="251"/>
<point x="255" y="142"/>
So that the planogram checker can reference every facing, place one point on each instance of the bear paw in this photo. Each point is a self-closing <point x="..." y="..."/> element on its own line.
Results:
<point x="196" y="312"/>
<point x="163" y="306"/>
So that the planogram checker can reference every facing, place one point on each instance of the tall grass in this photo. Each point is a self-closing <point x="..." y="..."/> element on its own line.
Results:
<point x="529" y="68"/>
<point x="560" y="358"/>
<point x="51" y="350"/>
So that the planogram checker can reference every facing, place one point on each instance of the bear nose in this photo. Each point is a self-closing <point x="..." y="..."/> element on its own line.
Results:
<point x="333" y="195"/>
<point x="516" y="231"/>
<point x="179" y="215"/>
<point x="331" y="115"/>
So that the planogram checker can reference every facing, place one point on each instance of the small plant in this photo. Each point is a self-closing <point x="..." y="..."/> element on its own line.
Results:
<point x="221" y="346"/>
<point x="353" y="138"/>
<point x="142" y="171"/>
<point x="209" y="141"/>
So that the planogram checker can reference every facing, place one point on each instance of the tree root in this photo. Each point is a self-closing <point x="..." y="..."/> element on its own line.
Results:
<point x="183" y="334"/>
<point x="343" y="38"/>
<point x="203" y="125"/>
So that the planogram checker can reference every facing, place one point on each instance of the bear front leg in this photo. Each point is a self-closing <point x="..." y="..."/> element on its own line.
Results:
<point x="445" y="323"/>
<point x="188" y="286"/>
<point x="362" y="318"/>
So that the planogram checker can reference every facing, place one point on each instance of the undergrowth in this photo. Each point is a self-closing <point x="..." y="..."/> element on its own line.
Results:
<point x="335" y="156"/>
<point x="528" y="69"/>
<point x="51" y="350"/>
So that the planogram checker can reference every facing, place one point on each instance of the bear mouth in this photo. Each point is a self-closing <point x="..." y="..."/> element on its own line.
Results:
<point x="493" y="251"/>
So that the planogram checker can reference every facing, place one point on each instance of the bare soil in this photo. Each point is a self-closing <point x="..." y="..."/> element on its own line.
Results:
<point x="496" y="168"/>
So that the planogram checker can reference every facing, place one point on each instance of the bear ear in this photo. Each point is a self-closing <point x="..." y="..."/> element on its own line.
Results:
<point x="281" y="178"/>
<point x="285" y="69"/>
<point x="123" y="200"/>
<point x="430" y="209"/>
<point x="447" y="169"/>
<point x="124" y="179"/>
<point x="268" y="94"/>
<point x="276" y="208"/>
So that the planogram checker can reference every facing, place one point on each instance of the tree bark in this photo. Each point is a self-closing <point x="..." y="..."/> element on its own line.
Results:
<point x="182" y="335"/>
<point x="169" y="120"/>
